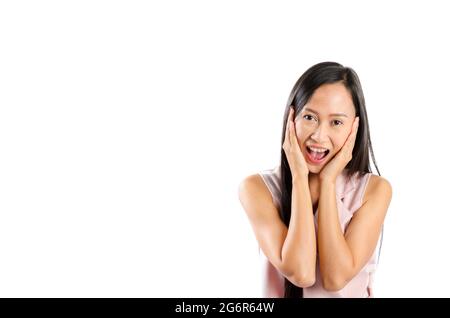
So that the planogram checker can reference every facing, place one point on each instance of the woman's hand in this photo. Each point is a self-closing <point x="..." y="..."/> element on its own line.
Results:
<point x="333" y="168"/>
<point x="297" y="162"/>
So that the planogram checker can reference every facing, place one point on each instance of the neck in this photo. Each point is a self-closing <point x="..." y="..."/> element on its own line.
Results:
<point x="313" y="179"/>
<point x="314" y="189"/>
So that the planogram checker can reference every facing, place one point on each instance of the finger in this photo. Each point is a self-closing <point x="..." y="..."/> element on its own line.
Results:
<point x="356" y="124"/>
<point x="292" y="132"/>
<point x="352" y="138"/>
<point x="288" y="127"/>
<point x="291" y="114"/>
<point x="286" y="132"/>
<point x="355" y="128"/>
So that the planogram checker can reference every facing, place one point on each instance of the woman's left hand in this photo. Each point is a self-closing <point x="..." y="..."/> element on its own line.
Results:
<point x="333" y="168"/>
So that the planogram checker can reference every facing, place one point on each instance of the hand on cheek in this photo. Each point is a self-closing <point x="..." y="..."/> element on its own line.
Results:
<point x="334" y="167"/>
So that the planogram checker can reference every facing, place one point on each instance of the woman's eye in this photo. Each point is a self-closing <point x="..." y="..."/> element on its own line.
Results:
<point x="337" y="122"/>
<point x="308" y="116"/>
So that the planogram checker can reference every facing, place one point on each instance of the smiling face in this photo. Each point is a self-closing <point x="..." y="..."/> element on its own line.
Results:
<point x="324" y="123"/>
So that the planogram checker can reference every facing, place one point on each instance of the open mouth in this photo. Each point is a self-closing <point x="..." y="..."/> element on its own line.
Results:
<point x="316" y="155"/>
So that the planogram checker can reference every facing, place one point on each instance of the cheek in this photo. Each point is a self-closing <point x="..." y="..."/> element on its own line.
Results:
<point x="301" y="132"/>
<point x="339" y="141"/>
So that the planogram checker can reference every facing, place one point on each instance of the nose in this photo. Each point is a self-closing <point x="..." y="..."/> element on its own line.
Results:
<point x="320" y="134"/>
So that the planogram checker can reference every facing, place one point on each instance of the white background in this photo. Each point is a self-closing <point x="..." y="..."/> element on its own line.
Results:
<point x="126" y="127"/>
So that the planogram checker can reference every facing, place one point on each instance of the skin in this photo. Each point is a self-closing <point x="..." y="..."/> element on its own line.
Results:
<point x="341" y="255"/>
<point x="315" y="125"/>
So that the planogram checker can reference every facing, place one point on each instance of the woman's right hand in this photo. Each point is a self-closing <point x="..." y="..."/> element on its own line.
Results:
<point x="297" y="162"/>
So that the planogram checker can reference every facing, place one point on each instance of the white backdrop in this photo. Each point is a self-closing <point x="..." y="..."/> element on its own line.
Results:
<point x="126" y="127"/>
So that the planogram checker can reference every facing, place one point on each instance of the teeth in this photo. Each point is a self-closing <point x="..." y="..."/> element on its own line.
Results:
<point x="317" y="149"/>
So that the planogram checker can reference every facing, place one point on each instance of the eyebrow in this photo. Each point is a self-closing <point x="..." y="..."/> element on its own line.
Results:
<point x="335" y="114"/>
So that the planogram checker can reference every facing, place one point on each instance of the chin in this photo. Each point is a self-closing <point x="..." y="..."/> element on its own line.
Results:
<point x="314" y="169"/>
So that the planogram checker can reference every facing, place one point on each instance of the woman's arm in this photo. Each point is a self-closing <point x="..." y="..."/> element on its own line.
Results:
<point x="271" y="233"/>
<point x="299" y="248"/>
<point x="342" y="256"/>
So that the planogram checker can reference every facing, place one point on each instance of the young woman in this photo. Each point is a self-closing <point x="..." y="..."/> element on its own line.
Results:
<point x="318" y="216"/>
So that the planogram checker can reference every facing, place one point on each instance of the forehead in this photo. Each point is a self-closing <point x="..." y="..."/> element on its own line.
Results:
<point x="331" y="98"/>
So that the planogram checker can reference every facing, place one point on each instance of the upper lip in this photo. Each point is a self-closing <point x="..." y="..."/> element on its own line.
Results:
<point x="317" y="146"/>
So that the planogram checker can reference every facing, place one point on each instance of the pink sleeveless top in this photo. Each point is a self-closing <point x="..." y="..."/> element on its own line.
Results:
<point x="349" y="195"/>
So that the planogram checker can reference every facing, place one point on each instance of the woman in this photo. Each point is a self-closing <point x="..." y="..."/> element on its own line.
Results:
<point x="318" y="216"/>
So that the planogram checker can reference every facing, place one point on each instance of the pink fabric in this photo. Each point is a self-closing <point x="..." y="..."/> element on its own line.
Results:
<point x="349" y="195"/>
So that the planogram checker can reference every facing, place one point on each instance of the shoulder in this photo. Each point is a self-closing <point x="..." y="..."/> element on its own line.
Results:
<point x="253" y="186"/>
<point x="253" y="191"/>
<point x="378" y="188"/>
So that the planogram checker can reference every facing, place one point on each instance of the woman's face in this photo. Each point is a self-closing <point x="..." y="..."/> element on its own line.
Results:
<point x="325" y="122"/>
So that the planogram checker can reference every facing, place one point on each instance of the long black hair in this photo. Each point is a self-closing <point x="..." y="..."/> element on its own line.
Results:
<point x="315" y="76"/>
